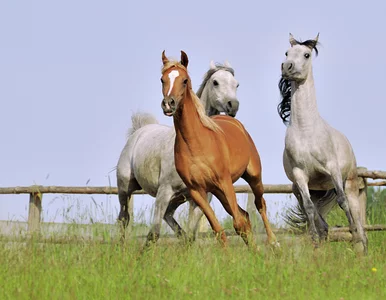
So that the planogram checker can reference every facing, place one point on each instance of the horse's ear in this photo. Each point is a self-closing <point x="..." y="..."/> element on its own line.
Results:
<point x="164" y="58"/>
<point x="184" y="59"/>
<point x="316" y="39"/>
<point x="227" y="64"/>
<point x="292" y="41"/>
<point x="212" y="65"/>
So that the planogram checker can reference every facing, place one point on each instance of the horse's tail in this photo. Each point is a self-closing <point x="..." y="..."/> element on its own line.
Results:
<point x="139" y="120"/>
<point x="325" y="204"/>
<point x="296" y="216"/>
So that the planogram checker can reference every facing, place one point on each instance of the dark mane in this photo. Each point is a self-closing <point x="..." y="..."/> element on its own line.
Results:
<point x="310" y="44"/>
<point x="209" y="74"/>
<point x="284" y="107"/>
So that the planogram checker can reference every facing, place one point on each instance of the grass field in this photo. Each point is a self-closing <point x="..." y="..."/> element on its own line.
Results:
<point x="175" y="271"/>
<point x="172" y="270"/>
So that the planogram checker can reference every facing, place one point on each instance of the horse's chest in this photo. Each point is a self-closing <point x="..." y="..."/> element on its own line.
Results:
<point x="306" y="153"/>
<point x="301" y="151"/>
<point x="193" y="169"/>
<point x="304" y="146"/>
<point x="312" y="157"/>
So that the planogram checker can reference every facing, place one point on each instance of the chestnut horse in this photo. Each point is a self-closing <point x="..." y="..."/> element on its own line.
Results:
<point x="211" y="153"/>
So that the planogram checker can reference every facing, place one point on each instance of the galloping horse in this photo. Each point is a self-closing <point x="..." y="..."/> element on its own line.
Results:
<point x="318" y="159"/>
<point x="147" y="160"/>
<point x="211" y="153"/>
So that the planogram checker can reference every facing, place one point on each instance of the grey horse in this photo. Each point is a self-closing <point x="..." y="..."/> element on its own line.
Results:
<point x="147" y="160"/>
<point x="318" y="159"/>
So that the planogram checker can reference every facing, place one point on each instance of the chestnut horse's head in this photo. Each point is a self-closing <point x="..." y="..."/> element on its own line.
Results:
<point x="175" y="83"/>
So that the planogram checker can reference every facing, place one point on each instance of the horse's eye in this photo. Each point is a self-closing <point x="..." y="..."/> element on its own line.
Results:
<point x="185" y="81"/>
<point x="307" y="55"/>
<point x="286" y="54"/>
<point x="215" y="83"/>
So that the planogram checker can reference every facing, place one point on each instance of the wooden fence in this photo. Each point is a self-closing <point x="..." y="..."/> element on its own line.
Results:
<point x="36" y="193"/>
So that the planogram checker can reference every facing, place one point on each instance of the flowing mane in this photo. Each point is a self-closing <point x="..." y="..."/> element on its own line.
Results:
<point x="205" y="120"/>
<point x="284" y="107"/>
<point x="209" y="74"/>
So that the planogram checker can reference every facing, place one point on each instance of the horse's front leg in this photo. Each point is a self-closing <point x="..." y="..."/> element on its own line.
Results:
<point x="199" y="197"/>
<point x="301" y="187"/>
<point x="195" y="217"/>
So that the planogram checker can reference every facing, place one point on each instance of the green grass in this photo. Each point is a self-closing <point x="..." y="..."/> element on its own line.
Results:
<point x="202" y="271"/>
<point x="172" y="270"/>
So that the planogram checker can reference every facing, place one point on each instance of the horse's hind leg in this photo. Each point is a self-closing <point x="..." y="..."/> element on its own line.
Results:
<point x="323" y="202"/>
<point x="126" y="187"/>
<point x="347" y="198"/>
<point x="164" y="194"/>
<point x="356" y="228"/>
<point x="253" y="178"/>
<point x="169" y="215"/>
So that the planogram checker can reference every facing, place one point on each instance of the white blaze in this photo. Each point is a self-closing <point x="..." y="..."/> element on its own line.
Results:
<point x="172" y="76"/>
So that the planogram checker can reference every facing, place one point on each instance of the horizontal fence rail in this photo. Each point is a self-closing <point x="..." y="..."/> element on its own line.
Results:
<point x="108" y="190"/>
<point x="36" y="192"/>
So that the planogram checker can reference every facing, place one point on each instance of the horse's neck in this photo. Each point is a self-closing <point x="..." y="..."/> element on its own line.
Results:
<point x="187" y="123"/>
<point x="304" y="109"/>
<point x="205" y="99"/>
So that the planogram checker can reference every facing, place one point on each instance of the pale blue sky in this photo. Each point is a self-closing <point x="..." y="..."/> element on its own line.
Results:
<point x="72" y="72"/>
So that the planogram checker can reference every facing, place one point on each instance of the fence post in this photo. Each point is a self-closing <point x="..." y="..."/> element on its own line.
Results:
<point x="362" y="184"/>
<point x="34" y="212"/>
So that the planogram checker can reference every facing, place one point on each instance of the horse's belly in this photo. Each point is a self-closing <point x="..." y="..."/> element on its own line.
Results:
<point x="321" y="183"/>
<point x="148" y="179"/>
<point x="238" y="171"/>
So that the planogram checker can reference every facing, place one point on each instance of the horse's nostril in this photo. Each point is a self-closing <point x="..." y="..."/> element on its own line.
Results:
<point x="290" y="66"/>
<point x="172" y="102"/>
<point x="230" y="104"/>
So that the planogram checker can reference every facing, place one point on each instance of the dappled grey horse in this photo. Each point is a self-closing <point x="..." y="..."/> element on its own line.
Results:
<point x="147" y="160"/>
<point x="318" y="159"/>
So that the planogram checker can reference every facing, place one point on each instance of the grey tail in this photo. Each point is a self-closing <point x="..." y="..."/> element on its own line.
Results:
<point x="324" y="201"/>
<point x="139" y="120"/>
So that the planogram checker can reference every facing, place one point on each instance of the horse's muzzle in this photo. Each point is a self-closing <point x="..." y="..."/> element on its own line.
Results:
<point x="232" y="108"/>
<point x="168" y="106"/>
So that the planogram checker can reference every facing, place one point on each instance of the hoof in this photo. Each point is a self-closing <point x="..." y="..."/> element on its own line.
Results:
<point x="275" y="244"/>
